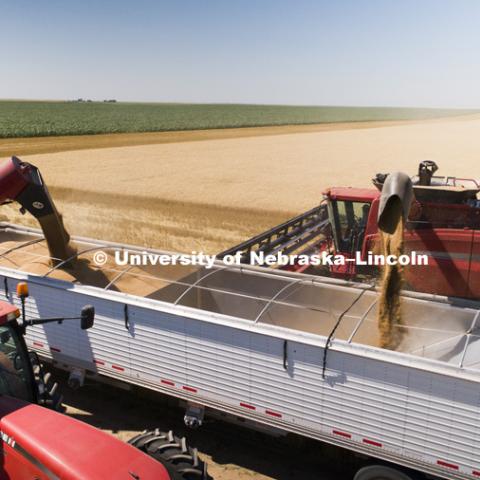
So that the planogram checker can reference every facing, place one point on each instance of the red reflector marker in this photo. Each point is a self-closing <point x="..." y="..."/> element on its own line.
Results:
<point x="246" y="405"/>
<point x="273" y="414"/>
<point x="341" y="434"/>
<point x="116" y="367"/>
<point x="99" y="362"/>
<point x="38" y="344"/>
<point x="447" y="465"/>
<point x="372" y="442"/>
<point x="189" y="389"/>
<point x="168" y="382"/>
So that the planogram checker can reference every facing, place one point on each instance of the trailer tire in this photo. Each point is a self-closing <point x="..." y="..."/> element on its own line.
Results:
<point x="180" y="460"/>
<point x="382" y="472"/>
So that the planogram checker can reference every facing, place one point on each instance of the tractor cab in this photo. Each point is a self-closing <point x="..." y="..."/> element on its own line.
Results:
<point x="349" y="212"/>
<point x="17" y="377"/>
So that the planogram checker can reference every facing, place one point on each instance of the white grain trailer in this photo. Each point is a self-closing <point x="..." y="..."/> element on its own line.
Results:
<point x="289" y="351"/>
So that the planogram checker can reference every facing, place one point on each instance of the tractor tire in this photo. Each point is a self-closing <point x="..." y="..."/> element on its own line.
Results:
<point x="180" y="460"/>
<point x="382" y="472"/>
<point x="48" y="391"/>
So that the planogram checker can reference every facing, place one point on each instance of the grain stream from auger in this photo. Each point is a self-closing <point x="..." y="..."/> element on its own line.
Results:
<point x="389" y="306"/>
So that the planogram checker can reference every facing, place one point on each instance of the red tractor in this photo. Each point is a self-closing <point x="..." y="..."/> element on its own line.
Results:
<point x="443" y="223"/>
<point x="40" y="443"/>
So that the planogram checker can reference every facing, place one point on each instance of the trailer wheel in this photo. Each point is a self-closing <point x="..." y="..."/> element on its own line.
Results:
<point x="381" y="472"/>
<point x="180" y="460"/>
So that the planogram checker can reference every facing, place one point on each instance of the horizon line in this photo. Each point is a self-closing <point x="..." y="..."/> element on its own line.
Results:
<point x="173" y="102"/>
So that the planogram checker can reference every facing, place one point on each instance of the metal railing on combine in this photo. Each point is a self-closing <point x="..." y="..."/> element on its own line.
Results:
<point x="286" y="237"/>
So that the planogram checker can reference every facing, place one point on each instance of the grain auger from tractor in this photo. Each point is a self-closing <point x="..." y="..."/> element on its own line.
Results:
<point x="22" y="182"/>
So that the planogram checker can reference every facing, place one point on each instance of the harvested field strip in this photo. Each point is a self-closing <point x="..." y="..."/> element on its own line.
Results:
<point x="52" y="144"/>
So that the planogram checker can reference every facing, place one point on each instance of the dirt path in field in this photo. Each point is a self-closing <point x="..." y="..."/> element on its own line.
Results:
<point x="232" y="452"/>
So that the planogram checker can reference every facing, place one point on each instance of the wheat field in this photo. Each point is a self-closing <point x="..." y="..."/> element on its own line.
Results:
<point x="150" y="222"/>
<point x="208" y="195"/>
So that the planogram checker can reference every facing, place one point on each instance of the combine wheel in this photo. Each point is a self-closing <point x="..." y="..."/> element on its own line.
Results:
<point x="173" y="453"/>
<point x="382" y="472"/>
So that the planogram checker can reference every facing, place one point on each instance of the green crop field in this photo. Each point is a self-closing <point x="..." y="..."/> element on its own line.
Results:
<point x="39" y="118"/>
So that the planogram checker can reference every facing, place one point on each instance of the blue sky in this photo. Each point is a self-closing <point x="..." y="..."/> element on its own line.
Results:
<point x="344" y="52"/>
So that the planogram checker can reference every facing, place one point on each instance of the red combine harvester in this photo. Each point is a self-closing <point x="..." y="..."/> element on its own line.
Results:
<point x="443" y="223"/>
<point x="40" y="443"/>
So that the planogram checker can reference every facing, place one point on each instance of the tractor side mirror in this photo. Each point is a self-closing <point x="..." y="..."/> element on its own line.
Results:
<point x="87" y="317"/>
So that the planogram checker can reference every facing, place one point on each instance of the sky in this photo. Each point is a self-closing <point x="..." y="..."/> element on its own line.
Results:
<point x="301" y="52"/>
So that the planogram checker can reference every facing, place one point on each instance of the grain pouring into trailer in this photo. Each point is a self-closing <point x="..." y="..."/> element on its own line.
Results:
<point x="395" y="201"/>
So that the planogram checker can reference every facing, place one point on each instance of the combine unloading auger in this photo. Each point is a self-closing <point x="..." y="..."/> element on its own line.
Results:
<point x="397" y="187"/>
<point x="393" y="209"/>
<point x="22" y="182"/>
